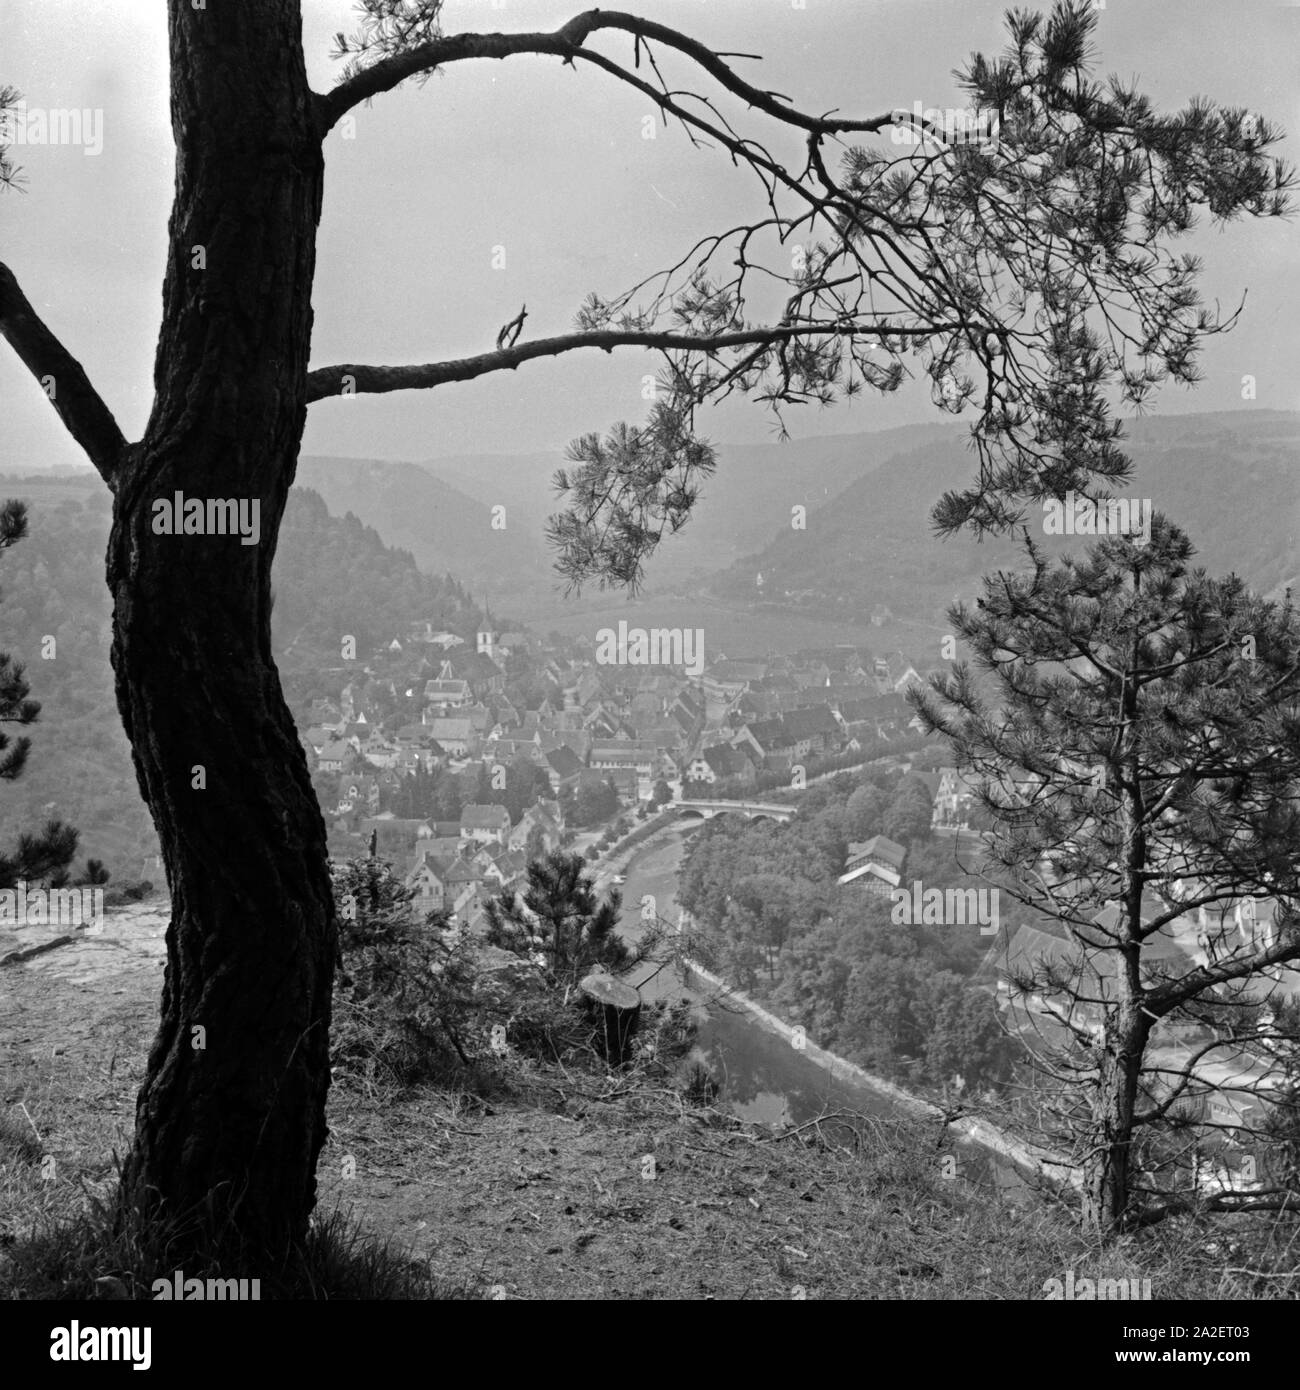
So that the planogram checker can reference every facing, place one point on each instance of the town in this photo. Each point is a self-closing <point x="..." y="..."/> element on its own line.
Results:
<point x="460" y="761"/>
<point x="464" y="760"/>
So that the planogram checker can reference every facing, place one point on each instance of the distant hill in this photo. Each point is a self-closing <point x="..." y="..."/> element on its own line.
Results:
<point x="750" y="496"/>
<point x="1229" y="479"/>
<point x="445" y="530"/>
<point x="333" y="576"/>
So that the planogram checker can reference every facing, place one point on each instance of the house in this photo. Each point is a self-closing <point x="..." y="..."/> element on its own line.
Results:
<point x="908" y="676"/>
<point x="617" y="756"/>
<point x="813" y="732"/>
<point x="507" y="750"/>
<point x="447" y="694"/>
<point x="769" y="740"/>
<point x="588" y="688"/>
<point x="500" y="867"/>
<point x="602" y="721"/>
<point x="721" y="763"/>
<point x="840" y="662"/>
<point x="455" y="733"/>
<point x="479" y="716"/>
<point x="578" y="742"/>
<point x="334" y="755"/>
<point x="725" y="680"/>
<point x="485" y="824"/>
<point x="427" y="875"/>
<point x="461" y="885"/>
<point x="874" y="866"/>
<point x="687" y="715"/>
<point x="535" y="818"/>
<point x="663" y="738"/>
<point x="505" y="713"/>
<point x="877" y="715"/>
<point x="754" y="705"/>
<point x="359" y="791"/>
<point x="426" y="633"/>
<point x="477" y="669"/>
<point x="564" y="767"/>
<point x="954" y="799"/>
<point x="396" y="837"/>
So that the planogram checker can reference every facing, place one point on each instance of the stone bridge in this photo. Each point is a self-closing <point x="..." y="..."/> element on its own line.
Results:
<point x="754" y="810"/>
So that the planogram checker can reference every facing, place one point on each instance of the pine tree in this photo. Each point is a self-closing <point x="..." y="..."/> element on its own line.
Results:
<point x="577" y="929"/>
<point x="43" y="856"/>
<point x="1142" y="768"/>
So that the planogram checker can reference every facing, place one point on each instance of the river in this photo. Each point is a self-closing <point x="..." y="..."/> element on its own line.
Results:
<point x="762" y="1077"/>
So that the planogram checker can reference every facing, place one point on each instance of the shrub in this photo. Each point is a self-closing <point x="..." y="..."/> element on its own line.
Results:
<point x="411" y="999"/>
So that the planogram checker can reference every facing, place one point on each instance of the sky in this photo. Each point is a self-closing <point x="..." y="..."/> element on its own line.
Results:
<point x="551" y="164"/>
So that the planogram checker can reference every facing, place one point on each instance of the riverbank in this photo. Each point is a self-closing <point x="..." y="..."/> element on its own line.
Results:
<point x="781" y="1086"/>
<point x="1041" y="1163"/>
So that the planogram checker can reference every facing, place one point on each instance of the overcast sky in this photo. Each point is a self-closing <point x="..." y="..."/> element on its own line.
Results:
<point x="550" y="164"/>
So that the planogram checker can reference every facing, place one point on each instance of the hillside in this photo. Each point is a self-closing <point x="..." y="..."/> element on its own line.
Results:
<point x="537" y="1186"/>
<point x="749" y="497"/>
<point x="446" y="531"/>
<point x="1228" y="479"/>
<point x="332" y="576"/>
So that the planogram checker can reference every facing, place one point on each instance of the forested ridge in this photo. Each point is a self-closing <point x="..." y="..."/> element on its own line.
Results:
<point x="333" y="577"/>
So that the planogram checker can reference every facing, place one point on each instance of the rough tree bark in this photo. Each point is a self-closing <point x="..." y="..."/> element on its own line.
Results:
<point x="1107" y="1166"/>
<point x="230" y="1119"/>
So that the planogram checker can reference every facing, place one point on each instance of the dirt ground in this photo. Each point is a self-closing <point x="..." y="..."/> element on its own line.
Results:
<point x="578" y="1186"/>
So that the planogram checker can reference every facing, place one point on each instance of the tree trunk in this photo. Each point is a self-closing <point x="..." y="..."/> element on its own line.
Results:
<point x="231" y="1117"/>
<point x="1108" y="1163"/>
<point x="616" y="1007"/>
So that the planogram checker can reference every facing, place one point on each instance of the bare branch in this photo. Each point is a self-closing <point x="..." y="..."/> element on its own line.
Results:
<point x="330" y="381"/>
<point x="80" y="407"/>
<point x="564" y="42"/>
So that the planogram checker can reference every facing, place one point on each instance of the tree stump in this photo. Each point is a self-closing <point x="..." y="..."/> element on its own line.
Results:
<point x="616" y="1010"/>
